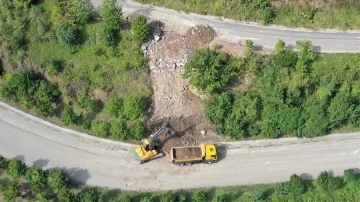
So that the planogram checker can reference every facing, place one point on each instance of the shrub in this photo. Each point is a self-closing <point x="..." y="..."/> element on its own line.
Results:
<point x="218" y="109"/>
<point x="134" y="107"/>
<point x="296" y="186"/>
<point x="350" y="175"/>
<point x="58" y="179"/>
<point x="140" y="28"/>
<point x="16" y="168"/>
<point x="65" y="195"/>
<point x="36" y="177"/>
<point x="67" y="35"/>
<point x="198" y="196"/>
<point x="68" y="115"/>
<point x="111" y="15"/>
<point x="259" y="195"/>
<point x="147" y="199"/>
<point x="137" y="130"/>
<point x="100" y="128"/>
<point x="114" y="107"/>
<point x="12" y="191"/>
<point x="167" y="197"/>
<point x="89" y="196"/>
<point x="208" y="71"/>
<point x="119" y="129"/>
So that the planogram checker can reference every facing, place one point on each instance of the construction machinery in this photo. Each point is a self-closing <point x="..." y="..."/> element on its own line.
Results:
<point x="186" y="156"/>
<point x="149" y="148"/>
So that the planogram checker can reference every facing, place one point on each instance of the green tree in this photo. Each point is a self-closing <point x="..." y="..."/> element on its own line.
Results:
<point x="259" y="195"/>
<point x="114" y="107"/>
<point x="339" y="110"/>
<point x="134" y="107"/>
<point x="111" y="15"/>
<point x="58" y="179"/>
<point x="71" y="12"/>
<point x="219" y="198"/>
<point x="350" y="175"/>
<point x="208" y="71"/>
<point x="244" y="112"/>
<point x="168" y="197"/>
<point x="140" y="28"/>
<point x="198" y="196"/>
<point x="3" y="162"/>
<point x="12" y="191"/>
<point x="88" y="196"/>
<point x="65" y="195"/>
<point x="36" y="178"/>
<point x="334" y="183"/>
<point x="280" y="46"/>
<point x="218" y="109"/>
<point x="44" y="98"/>
<point x="67" y="35"/>
<point x="296" y="186"/>
<point x="119" y="129"/>
<point x="137" y="130"/>
<point x="306" y="55"/>
<point x="100" y="128"/>
<point x="16" y="168"/>
<point x="181" y="198"/>
<point x="322" y="180"/>
<point x="68" y="115"/>
<point x="125" y="198"/>
<point x="249" y="45"/>
<point x="147" y="199"/>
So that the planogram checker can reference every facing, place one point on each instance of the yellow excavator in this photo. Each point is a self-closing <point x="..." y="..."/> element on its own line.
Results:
<point x="149" y="148"/>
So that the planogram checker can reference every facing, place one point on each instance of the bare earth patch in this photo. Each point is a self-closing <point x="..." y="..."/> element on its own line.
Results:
<point x="172" y="99"/>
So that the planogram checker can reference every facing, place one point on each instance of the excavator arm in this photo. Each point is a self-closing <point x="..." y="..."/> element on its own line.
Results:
<point x="153" y="138"/>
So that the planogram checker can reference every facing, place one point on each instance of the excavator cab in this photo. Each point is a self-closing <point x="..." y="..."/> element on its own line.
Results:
<point x="149" y="147"/>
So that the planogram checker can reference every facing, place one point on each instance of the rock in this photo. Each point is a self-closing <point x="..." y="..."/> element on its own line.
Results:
<point x="157" y="37"/>
<point x="203" y="132"/>
<point x="143" y="47"/>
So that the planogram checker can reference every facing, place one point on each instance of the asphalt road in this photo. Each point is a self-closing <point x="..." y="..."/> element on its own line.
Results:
<point x="263" y="36"/>
<point x="93" y="161"/>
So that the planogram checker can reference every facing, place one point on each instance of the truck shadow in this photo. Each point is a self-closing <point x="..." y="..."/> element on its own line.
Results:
<point x="222" y="151"/>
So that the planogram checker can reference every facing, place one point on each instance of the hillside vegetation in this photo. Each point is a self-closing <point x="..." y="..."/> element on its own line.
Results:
<point x="291" y="93"/>
<point x="338" y="14"/>
<point x="65" y="61"/>
<point x="18" y="181"/>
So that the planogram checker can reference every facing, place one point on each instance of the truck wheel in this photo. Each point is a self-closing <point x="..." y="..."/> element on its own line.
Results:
<point x="181" y="165"/>
<point x="209" y="162"/>
<point x="189" y="164"/>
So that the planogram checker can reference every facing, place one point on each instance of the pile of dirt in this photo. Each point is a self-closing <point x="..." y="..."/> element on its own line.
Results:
<point x="172" y="100"/>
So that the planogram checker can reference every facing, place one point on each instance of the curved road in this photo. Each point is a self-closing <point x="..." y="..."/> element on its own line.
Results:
<point x="111" y="164"/>
<point x="263" y="36"/>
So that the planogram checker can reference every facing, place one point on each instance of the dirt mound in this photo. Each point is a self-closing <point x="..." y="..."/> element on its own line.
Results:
<point x="199" y="36"/>
<point x="172" y="100"/>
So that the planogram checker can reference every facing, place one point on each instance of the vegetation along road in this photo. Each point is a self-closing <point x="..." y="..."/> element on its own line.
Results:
<point x="111" y="164"/>
<point x="263" y="36"/>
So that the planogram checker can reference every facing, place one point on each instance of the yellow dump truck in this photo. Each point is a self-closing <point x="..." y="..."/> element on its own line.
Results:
<point x="186" y="156"/>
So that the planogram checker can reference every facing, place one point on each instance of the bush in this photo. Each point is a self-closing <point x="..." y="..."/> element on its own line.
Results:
<point x="137" y="130"/>
<point x="147" y="199"/>
<point x="68" y="115"/>
<point x="218" y="109"/>
<point x="36" y="177"/>
<point x="259" y="195"/>
<point x="58" y="179"/>
<point x="219" y="198"/>
<point x="208" y="71"/>
<point x="111" y="15"/>
<point x="119" y="129"/>
<point x="67" y="35"/>
<point x="100" y="128"/>
<point x="16" y="168"/>
<point x="3" y="162"/>
<point x="65" y="195"/>
<point x="125" y="198"/>
<point x="140" y="28"/>
<point x="114" y="107"/>
<point x="198" y="196"/>
<point x="12" y="192"/>
<point x="89" y="196"/>
<point x="167" y="197"/>
<point x="350" y="175"/>
<point x="296" y="186"/>
<point x="134" y="107"/>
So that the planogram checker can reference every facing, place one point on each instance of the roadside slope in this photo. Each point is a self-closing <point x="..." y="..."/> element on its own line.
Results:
<point x="232" y="31"/>
<point x="111" y="164"/>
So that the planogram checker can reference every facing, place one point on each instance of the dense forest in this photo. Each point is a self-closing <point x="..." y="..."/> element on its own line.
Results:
<point x="300" y="93"/>
<point x="87" y="70"/>
<point x="344" y="14"/>
<point x="17" y="180"/>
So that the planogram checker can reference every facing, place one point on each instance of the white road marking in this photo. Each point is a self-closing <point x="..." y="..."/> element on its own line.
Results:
<point x="355" y="152"/>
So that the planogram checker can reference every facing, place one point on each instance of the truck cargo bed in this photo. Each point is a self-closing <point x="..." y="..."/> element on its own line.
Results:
<point x="186" y="152"/>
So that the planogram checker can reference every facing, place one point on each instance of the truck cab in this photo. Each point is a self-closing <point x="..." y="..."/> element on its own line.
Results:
<point x="211" y="154"/>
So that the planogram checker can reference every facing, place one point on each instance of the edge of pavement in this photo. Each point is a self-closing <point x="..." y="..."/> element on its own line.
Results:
<point x="106" y="147"/>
